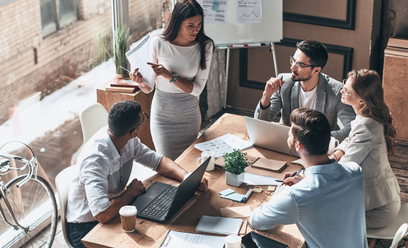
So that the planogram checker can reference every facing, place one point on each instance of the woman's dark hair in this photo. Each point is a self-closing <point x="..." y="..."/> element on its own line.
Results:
<point x="312" y="129"/>
<point x="367" y="85"/>
<point x="182" y="10"/>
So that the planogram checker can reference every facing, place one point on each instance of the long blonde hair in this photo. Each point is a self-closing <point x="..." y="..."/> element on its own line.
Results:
<point x="367" y="85"/>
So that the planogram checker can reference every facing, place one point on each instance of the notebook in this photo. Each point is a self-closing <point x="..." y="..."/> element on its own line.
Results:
<point x="161" y="201"/>
<point x="219" y="225"/>
<point x="268" y="135"/>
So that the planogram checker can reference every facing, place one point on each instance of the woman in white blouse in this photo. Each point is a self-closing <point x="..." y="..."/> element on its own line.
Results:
<point x="180" y="58"/>
<point x="370" y="142"/>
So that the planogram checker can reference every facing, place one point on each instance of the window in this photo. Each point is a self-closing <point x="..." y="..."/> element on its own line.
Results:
<point x="56" y="14"/>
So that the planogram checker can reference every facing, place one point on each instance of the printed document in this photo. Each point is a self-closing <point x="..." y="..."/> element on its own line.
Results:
<point x="138" y="56"/>
<point x="249" y="11"/>
<point x="224" y="144"/>
<point x="215" y="11"/>
<point x="190" y="240"/>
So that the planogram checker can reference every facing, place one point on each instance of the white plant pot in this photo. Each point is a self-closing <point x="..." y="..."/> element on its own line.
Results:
<point x="234" y="179"/>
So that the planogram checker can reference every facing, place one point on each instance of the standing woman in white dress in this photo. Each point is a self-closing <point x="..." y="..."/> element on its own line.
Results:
<point x="370" y="142"/>
<point x="180" y="58"/>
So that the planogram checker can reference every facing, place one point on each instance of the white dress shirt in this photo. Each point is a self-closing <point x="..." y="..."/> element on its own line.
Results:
<point x="103" y="174"/>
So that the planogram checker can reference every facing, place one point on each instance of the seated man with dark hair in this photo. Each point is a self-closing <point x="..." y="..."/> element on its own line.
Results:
<point x="306" y="87"/>
<point x="327" y="203"/>
<point x="105" y="164"/>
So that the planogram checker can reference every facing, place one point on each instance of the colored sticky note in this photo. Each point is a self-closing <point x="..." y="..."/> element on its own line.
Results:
<point x="215" y="4"/>
<point x="272" y="188"/>
<point x="257" y="190"/>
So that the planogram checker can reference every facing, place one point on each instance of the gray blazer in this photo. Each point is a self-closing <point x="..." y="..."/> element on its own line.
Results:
<point x="367" y="147"/>
<point x="328" y="102"/>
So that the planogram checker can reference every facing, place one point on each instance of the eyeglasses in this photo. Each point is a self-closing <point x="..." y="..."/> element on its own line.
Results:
<point x="345" y="93"/>
<point x="300" y="65"/>
<point x="145" y="120"/>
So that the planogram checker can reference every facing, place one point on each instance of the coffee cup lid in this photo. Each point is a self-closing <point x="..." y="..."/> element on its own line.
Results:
<point x="128" y="210"/>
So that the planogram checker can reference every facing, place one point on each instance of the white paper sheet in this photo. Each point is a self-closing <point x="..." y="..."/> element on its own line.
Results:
<point x="190" y="240"/>
<point x="224" y="144"/>
<point x="215" y="11"/>
<point x="249" y="11"/>
<point x="253" y="179"/>
<point x="138" y="56"/>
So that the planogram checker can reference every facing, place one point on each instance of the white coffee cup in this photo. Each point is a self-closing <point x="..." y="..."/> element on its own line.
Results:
<point x="128" y="217"/>
<point x="204" y="156"/>
<point x="332" y="145"/>
<point x="233" y="241"/>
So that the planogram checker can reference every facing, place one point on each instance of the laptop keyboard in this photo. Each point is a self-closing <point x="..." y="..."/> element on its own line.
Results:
<point x="159" y="206"/>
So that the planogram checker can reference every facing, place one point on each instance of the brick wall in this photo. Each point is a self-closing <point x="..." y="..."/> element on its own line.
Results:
<point x="29" y="62"/>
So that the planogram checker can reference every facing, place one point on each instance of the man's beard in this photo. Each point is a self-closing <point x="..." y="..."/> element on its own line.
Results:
<point x="300" y="79"/>
<point x="293" y="149"/>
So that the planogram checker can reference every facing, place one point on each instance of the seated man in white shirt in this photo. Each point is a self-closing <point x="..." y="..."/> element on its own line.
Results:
<point x="327" y="203"/>
<point x="105" y="164"/>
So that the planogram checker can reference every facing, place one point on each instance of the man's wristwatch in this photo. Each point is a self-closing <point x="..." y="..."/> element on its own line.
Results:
<point x="174" y="78"/>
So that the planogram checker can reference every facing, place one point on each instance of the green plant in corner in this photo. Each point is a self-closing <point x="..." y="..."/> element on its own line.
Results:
<point x="235" y="162"/>
<point x="120" y="43"/>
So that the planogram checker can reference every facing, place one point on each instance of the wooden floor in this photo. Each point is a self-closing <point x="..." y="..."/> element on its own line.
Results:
<point x="56" y="148"/>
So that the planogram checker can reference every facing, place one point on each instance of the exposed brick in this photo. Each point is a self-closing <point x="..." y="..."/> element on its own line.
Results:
<point x="66" y="52"/>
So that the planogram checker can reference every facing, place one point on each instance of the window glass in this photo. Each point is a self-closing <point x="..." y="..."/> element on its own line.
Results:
<point x="48" y="17"/>
<point x="67" y="12"/>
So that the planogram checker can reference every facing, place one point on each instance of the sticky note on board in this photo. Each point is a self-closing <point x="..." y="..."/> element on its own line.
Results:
<point x="215" y="4"/>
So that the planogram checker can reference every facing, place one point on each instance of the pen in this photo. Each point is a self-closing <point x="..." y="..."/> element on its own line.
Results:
<point x="293" y="174"/>
<point x="125" y="69"/>
<point x="281" y="78"/>
<point x="244" y="199"/>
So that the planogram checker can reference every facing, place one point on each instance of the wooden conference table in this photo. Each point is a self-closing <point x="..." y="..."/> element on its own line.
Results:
<point x="151" y="234"/>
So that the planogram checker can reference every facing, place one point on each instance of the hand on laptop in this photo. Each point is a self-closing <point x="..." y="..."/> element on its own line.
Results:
<point x="203" y="185"/>
<point x="136" y="187"/>
<point x="290" y="180"/>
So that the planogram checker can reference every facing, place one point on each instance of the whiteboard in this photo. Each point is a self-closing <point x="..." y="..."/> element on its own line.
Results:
<point x="231" y="33"/>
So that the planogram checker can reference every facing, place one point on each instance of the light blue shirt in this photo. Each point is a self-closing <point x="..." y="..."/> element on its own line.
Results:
<point x="327" y="206"/>
<point x="103" y="174"/>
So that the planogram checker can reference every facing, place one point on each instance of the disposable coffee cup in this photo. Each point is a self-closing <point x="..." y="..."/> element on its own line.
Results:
<point x="233" y="241"/>
<point x="204" y="156"/>
<point x="128" y="218"/>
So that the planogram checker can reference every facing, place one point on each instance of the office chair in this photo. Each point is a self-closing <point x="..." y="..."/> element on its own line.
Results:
<point x="62" y="182"/>
<point x="92" y="118"/>
<point x="390" y="231"/>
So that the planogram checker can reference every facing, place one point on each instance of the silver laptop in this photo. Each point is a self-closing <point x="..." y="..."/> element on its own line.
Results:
<point x="268" y="135"/>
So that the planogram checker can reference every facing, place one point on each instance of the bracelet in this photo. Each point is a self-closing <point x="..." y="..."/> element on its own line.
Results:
<point x="334" y="154"/>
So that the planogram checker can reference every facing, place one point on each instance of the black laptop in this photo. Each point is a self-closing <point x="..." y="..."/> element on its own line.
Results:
<point x="161" y="200"/>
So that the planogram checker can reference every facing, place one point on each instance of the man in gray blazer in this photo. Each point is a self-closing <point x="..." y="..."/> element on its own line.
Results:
<point x="306" y="87"/>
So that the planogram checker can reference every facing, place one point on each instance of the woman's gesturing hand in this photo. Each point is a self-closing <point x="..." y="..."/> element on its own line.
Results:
<point x="160" y="70"/>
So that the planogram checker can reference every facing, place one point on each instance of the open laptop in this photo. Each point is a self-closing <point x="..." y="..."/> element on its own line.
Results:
<point x="268" y="135"/>
<point x="161" y="200"/>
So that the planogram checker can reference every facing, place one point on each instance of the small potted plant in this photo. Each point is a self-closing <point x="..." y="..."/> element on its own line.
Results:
<point x="235" y="164"/>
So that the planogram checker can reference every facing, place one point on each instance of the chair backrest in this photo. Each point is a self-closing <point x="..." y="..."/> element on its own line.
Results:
<point x="62" y="182"/>
<point x="92" y="118"/>
<point x="401" y="232"/>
